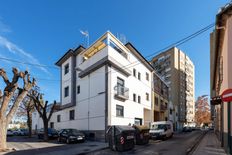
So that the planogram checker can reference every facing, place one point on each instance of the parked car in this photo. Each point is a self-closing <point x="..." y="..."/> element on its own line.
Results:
<point x="161" y="130"/>
<point x="24" y="132"/>
<point x="9" y="132"/>
<point x="17" y="132"/>
<point x="187" y="129"/>
<point x="52" y="133"/>
<point x="70" y="135"/>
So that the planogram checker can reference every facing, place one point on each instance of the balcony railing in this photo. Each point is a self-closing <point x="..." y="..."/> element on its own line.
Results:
<point x="121" y="92"/>
<point x="163" y="107"/>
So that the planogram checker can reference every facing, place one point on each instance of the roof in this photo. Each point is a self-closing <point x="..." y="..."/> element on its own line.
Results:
<point x="139" y="56"/>
<point x="69" y="53"/>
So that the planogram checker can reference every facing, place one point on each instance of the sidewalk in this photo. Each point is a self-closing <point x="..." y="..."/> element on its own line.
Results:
<point x="46" y="148"/>
<point x="209" y="145"/>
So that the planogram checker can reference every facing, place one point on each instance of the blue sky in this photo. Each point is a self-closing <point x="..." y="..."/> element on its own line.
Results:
<point x="42" y="31"/>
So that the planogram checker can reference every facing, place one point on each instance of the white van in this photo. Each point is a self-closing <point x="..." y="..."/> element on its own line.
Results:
<point x="161" y="130"/>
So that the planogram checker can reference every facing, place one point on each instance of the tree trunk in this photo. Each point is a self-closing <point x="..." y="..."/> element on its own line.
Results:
<point x="3" y="134"/>
<point x="45" y="130"/>
<point x="29" y="123"/>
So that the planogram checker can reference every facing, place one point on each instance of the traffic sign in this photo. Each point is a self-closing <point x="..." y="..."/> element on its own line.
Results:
<point x="227" y="95"/>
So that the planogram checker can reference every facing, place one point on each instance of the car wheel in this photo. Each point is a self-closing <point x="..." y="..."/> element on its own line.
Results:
<point x="67" y="141"/>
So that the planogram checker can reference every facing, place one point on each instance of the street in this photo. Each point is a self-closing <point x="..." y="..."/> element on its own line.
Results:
<point x="178" y="145"/>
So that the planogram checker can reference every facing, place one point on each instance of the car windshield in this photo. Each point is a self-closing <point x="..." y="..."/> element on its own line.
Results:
<point x="158" y="126"/>
<point x="74" y="131"/>
<point x="51" y="130"/>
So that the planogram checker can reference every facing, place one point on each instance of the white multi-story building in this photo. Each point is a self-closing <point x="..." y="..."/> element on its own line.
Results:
<point x="108" y="83"/>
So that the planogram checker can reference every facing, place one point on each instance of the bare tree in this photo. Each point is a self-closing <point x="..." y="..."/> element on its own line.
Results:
<point x="42" y="109"/>
<point x="26" y="109"/>
<point x="11" y="87"/>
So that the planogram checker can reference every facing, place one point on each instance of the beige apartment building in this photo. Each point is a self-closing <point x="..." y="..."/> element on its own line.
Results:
<point x="221" y="75"/>
<point x="177" y="70"/>
<point x="160" y="111"/>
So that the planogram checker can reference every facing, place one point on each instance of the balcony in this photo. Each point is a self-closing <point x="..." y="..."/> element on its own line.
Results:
<point x="163" y="107"/>
<point x="121" y="92"/>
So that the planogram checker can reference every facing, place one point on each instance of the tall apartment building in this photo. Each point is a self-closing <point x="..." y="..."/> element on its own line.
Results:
<point x="102" y="85"/>
<point x="177" y="70"/>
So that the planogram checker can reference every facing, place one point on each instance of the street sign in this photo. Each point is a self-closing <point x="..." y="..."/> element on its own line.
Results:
<point x="227" y="95"/>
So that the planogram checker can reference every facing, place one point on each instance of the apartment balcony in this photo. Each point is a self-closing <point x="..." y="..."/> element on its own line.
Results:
<point x="121" y="92"/>
<point x="163" y="107"/>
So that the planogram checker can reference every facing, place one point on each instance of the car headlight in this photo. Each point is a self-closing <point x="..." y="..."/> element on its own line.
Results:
<point x="72" y="137"/>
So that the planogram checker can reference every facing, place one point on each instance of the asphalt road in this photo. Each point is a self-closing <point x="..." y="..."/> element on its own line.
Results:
<point x="178" y="145"/>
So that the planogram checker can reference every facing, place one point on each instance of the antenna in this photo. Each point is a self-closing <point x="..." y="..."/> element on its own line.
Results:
<point x="121" y="37"/>
<point x="86" y="35"/>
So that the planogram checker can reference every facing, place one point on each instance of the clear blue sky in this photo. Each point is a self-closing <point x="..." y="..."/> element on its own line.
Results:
<point x="42" y="31"/>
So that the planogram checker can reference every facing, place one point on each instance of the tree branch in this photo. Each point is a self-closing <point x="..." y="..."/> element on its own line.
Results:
<point x="4" y="76"/>
<point x="22" y="94"/>
<point x="52" y="110"/>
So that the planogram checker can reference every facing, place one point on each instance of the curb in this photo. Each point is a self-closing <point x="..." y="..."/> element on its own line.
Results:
<point x="92" y="151"/>
<point x="190" y="150"/>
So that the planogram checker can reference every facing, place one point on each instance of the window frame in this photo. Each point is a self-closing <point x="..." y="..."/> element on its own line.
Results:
<point x="71" y="117"/>
<point x="147" y="76"/>
<point x="66" y="69"/>
<point x="66" y="88"/>
<point x="134" y="97"/>
<point x="139" y="99"/>
<point x="78" y="89"/>
<point x="134" y="72"/>
<point x="139" y="75"/>
<point x="147" y="97"/>
<point x="121" y="109"/>
<point x="58" y="118"/>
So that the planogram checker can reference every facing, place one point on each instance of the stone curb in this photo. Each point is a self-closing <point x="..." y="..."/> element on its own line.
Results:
<point x="190" y="150"/>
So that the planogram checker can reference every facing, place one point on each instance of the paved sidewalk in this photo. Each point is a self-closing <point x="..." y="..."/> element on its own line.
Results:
<point x="43" y="148"/>
<point x="209" y="145"/>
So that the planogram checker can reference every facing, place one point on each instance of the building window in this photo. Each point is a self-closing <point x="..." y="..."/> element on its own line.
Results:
<point x="147" y="76"/>
<point x="170" y="112"/>
<point x="66" y="91"/>
<point x="119" y="111"/>
<point x="134" y="97"/>
<point x="78" y="89"/>
<point x="120" y="82"/>
<point x="134" y="72"/>
<point x="139" y="99"/>
<point x="52" y="125"/>
<point x="66" y="69"/>
<point x="147" y="96"/>
<point x="58" y="118"/>
<point x="156" y="101"/>
<point x="139" y="75"/>
<point x="138" y="121"/>
<point x="71" y="114"/>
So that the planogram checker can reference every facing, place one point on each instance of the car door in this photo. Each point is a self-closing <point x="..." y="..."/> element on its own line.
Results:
<point x="63" y="135"/>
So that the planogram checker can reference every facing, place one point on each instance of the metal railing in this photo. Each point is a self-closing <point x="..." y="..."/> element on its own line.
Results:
<point x="121" y="92"/>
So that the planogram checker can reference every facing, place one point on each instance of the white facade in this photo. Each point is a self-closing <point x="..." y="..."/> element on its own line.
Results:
<point x="101" y="87"/>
